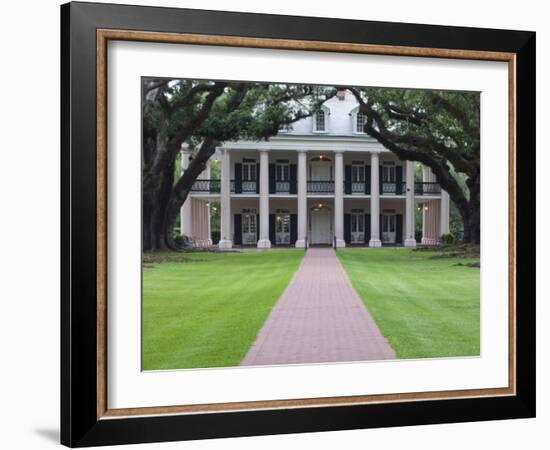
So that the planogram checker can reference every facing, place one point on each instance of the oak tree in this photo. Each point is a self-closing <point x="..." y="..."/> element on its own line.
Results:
<point x="440" y="129"/>
<point x="203" y="115"/>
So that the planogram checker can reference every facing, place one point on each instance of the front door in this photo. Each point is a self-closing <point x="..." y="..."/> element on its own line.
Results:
<point x="321" y="226"/>
<point x="357" y="228"/>
<point x="388" y="228"/>
<point x="249" y="227"/>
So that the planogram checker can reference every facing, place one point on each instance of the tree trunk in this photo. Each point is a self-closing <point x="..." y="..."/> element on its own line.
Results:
<point x="471" y="215"/>
<point x="181" y="189"/>
<point x="155" y="201"/>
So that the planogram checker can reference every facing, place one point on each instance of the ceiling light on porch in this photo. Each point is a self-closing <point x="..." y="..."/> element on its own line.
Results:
<point x="426" y="208"/>
<point x="320" y="205"/>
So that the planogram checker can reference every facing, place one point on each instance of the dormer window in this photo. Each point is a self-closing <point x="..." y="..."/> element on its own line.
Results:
<point x="360" y="123"/>
<point x="320" y="120"/>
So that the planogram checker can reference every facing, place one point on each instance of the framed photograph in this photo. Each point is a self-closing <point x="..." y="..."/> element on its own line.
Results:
<point x="277" y="224"/>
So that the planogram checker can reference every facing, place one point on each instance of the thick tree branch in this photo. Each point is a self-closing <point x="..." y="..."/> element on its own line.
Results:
<point x="447" y="134"/>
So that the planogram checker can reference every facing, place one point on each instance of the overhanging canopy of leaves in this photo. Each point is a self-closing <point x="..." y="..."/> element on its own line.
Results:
<point x="259" y="114"/>
<point x="204" y="114"/>
<point x="438" y="128"/>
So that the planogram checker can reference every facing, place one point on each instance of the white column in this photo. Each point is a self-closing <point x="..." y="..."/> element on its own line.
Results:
<point x="410" y="240"/>
<point x="225" y="202"/>
<point x="186" y="219"/>
<point x="339" y="199"/>
<point x="374" y="201"/>
<point x="264" y="241"/>
<point x="429" y="218"/>
<point x="302" y="199"/>
<point x="209" y="209"/>
<point x="444" y="213"/>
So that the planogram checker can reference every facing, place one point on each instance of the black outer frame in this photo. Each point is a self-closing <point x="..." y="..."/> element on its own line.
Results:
<point x="79" y="425"/>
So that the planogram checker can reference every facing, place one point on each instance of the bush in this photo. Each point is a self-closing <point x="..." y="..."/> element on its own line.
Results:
<point x="182" y="240"/>
<point x="448" y="238"/>
<point x="215" y="237"/>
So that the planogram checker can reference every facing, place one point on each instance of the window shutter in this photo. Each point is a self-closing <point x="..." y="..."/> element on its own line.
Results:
<point x="367" y="182"/>
<point x="258" y="227"/>
<point x="238" y="178"/>
<point x="293" y="179"/>
<point x="272" y="184"/>
<point x="380" y="229"/>
<point x="399" y="180"/>
<point x="257" y="178"/>
<point x="272" y="237"/>
<point x="238" y="231"/>
<point x="293" y="228"/>
<point x="380" y="180"/>
<point x="347" y="228"/>
<point x="347" y="180"/>
<point x="399" y="228"/>
<point x="367" y="228"/>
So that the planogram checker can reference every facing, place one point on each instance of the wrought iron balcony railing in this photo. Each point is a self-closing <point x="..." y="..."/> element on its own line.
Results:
<point x="427" y="188"/>
<point x="282" y="187"/>
<point x="359" y="187"/>
<point x="243" y="187"/>
<point x="320" y="187"/>
<point x="212" y="186"/>
<point x="394" y="188"/>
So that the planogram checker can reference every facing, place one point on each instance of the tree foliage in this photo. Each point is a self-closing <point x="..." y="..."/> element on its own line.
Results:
<point x="204" y="114"/>
<point x="440" y="129"/>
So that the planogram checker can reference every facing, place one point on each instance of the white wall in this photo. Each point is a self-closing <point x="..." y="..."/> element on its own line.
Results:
<point x="29" y="322"/>
<point x="338" y="122"/>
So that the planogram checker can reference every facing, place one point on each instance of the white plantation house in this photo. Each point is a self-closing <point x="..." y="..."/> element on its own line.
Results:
<point x="321" y="181"/>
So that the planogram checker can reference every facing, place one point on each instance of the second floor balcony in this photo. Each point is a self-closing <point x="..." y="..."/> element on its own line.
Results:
<point x="318" y="187"/>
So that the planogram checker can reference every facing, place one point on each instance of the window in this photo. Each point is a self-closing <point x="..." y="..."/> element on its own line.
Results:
<point x="249" y="226"/>
<point x="249" y="223"/>
<point x="388" y="174"/>
<point x="320" y="121"/>
<point x="357" y="173"/>
<point x="388" y="223"/>
<point x="282" y="229"/>
<point x="360" y="123"/>
<point x="249" y="170"/>
<point x="282" y="223"/>
<point x="357" y="223"/>
<point x="282" y="172"/>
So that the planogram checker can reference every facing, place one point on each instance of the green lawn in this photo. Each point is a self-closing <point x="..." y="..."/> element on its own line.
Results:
<point x="425" y="307"/>
<point x="205" y="309"/>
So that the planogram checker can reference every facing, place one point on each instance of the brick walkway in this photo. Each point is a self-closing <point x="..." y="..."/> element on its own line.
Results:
<point x="319" y="318"/>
